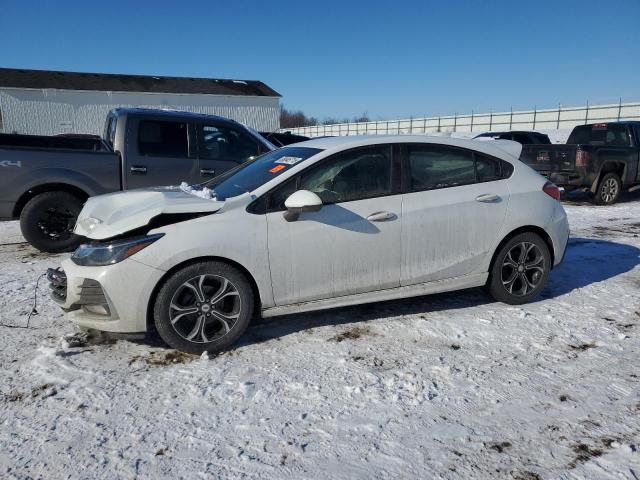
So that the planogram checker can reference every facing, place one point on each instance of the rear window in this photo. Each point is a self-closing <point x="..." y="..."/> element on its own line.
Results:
<point x="600" y="134"/>
<point x="163" y="139"/>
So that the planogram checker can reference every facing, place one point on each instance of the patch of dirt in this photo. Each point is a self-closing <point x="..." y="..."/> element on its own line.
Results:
<point x="525" y="476"/>
<point x="352" y="333"/>
<point x="499" y="447"/>
<point x="376" y="362"/>
<point x="583" y="346"/>
<point x="455" y="346"/>
<point x="163" y="359"/>
<point x="43" y="391"/>
<point x="584" y="453"/>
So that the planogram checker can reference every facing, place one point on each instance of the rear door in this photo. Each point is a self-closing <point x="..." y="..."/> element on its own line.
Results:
<point x="222" y="147"/>
<point x="453" y="211"/>
<point x="158" y="154"/>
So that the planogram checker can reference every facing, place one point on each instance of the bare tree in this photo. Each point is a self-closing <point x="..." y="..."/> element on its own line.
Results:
<point x="295" y="118"/>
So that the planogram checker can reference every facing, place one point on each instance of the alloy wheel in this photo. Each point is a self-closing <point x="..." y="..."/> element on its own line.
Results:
<point x="523" y="269"/>
<point x="609" y="190"/>
<point x="205" y="308"/>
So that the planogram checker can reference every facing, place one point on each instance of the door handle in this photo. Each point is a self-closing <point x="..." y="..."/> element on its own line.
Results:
<point x="381" y="216"/>
<point x="207" y="171"/>
<point x="487" y="198"/>
<point x="137" y="170"/>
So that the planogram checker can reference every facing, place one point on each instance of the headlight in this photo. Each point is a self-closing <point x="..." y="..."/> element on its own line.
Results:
<point x="100" y="254"/>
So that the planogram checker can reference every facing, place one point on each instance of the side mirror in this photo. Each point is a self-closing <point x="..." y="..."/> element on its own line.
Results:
<point x="301" y="201"/>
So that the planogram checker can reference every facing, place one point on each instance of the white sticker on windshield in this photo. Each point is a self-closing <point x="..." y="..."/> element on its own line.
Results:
<point x="288" y="160"/>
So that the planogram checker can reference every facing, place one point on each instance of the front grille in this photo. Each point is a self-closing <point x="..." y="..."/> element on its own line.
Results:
<point x="58" y="284"/>
<point x="91" y="293"/>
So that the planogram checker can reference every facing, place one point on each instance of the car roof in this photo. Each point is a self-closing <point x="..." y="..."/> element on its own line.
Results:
<point x="488" y="134"/>
<point x="170" y="113"/>
<point x="496" y="148"/>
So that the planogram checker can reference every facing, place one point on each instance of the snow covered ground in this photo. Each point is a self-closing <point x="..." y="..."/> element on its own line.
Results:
<point x="447" y="386"/>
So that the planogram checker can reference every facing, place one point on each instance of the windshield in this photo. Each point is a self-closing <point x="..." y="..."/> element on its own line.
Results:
<point x="255" y="173"/>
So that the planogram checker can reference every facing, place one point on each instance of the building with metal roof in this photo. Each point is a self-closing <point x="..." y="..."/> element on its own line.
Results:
<point x="42" y="102"/>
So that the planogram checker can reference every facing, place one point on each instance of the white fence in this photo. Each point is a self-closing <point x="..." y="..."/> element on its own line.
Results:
<point x="546" y="119"/>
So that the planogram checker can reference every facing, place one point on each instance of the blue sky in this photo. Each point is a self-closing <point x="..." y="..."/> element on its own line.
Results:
<point x="337" y="58"/>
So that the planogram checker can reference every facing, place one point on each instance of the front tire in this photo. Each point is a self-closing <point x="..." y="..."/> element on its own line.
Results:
<point x="520" y="270"/>
<point x="47" y="221"/>
<point x="203" y="307"/>
<point x="609" y="189"/>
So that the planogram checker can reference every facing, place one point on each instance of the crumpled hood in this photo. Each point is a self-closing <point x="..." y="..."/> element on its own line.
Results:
<point x="107" y="216"/>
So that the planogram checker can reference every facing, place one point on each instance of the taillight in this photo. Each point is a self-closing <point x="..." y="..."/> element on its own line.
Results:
<point x="552" y="190"/>
<point x="582" y="158"/>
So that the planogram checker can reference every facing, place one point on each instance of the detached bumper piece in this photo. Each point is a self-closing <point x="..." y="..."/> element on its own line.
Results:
<point x="58" y="284"/>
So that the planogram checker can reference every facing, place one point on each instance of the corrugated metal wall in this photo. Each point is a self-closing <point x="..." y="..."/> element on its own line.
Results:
<point x="550" y="118"/>
<point x="49" y="112"/>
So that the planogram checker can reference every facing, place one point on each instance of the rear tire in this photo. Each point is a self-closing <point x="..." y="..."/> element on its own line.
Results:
<point x="206" y="306"/>
<point x="520" y="270"/>
<point x="609" y="189"/>
<point x="47" y="221"/>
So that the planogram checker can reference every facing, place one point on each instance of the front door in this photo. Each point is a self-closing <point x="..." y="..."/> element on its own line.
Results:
<point x="159" y="155"/>
<point x="352" y="245"/>
<point x="453" y="212"/>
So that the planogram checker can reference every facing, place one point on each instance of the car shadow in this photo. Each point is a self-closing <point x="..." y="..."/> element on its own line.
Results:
<point x="580" y="198"/>
<point x="339" y="217"/>
<point x="587" y="261"/>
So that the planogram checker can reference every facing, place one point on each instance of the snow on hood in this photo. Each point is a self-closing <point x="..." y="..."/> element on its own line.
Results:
<point x="106" y="216"/>
<point x="203" y="192"/>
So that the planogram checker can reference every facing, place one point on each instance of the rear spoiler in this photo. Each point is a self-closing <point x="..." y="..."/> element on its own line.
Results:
<point x="509" y="146"/>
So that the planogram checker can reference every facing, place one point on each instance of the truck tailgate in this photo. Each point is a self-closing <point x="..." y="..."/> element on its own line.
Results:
<point x="549" y="158"/>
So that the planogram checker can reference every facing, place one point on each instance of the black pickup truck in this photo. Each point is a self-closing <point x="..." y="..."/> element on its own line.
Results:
<point x="44" y="181"/>
<point x="601" y="158"/>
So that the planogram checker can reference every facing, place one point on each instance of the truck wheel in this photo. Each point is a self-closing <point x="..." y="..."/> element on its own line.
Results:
<point x="609" y="189"/>
<point x="47" y="221"/>
<point x="206" y="306"/>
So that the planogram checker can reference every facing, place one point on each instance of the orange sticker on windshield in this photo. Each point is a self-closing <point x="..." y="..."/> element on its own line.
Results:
<point x="277" y="168"/>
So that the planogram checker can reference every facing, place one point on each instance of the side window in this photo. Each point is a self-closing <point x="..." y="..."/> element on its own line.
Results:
<point x="352" y="175"/>
<point x="163" y="139"/>
<point x="278" y="196"/>
<point x="521" y="138"/>
<point x="223" y="143"/>
<point x="437" y="166"/>
<point x="487" y="168"/>
<point x="617" y="136"/>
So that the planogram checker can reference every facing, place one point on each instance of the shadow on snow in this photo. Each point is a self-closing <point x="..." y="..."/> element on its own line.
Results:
<point x="587" y="261"/>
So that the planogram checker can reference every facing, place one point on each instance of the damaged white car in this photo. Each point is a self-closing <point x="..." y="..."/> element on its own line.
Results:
<point x="320" y="224"/>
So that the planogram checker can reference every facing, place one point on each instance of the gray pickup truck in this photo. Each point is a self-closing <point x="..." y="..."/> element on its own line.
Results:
<point x="44" y="181"/>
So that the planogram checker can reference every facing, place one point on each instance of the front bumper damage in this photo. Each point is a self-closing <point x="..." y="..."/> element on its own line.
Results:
<point x="114" y="298"/>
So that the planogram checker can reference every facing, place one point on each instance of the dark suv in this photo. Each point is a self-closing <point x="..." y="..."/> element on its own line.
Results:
<point x="525" y="138"/>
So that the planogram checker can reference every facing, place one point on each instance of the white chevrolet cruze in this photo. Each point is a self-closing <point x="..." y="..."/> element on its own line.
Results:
<point x="320" y="224"/>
